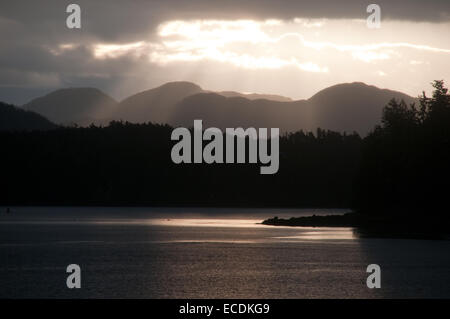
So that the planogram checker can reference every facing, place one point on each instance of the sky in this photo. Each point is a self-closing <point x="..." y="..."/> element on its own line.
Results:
<point x="289" y="47"/>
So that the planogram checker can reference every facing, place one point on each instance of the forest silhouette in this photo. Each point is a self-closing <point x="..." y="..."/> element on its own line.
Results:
<point x="403" y="174"/>
<point x="400" y="169"/>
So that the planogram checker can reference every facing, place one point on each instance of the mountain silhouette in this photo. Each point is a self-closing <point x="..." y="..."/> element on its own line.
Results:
<point x="155" y="105"/>
<point x="219" y="111"/>
<point x="343" y="107"/>
<point x="158" y="104"/>
<point x="351" y="106"/>
<point x="13" y="118"/>
<point x="82" y="106"/>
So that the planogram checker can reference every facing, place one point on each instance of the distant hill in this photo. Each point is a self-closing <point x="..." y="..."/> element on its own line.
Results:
<point x="155" y="105"/>
<point x="13" y="118"/>
<point x="351" y="106"/>
<point x="82" y="106"/>
<point x="158" y="105"/>
<point x="344" y="107"/>
<point x="219" y="111"/>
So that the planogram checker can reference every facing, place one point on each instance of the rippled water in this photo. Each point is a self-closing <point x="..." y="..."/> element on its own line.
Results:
<point x="206" y="253"/>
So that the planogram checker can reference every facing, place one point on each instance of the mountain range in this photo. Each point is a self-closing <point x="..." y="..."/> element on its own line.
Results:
<point x="343" y="107"/>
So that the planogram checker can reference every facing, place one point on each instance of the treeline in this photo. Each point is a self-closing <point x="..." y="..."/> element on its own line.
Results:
<point x="401" y="167"/>
<point x="405" y="166"/>
<point x="130" y="164"/>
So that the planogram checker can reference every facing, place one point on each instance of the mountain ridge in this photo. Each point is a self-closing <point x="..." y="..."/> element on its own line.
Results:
<point x="349" y="107"/>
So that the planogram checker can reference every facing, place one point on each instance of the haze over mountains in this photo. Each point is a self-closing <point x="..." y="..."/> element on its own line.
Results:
<point x="81" y="106"/>
<point x="344" y="107"/>
<point x="155" y="105"/>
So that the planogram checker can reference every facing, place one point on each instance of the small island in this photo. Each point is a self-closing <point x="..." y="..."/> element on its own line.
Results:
<point x="401" y="188"/>
<point x="366" y="225"/>
<point x="346" y="220"/>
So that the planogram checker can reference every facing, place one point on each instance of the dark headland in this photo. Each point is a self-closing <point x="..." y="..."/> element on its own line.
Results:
<point x="401" y="188"/>
<point x="367" y="225"/>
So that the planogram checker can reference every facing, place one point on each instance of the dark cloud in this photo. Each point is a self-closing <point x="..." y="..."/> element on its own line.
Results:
<point x="29" y="28"/>
<point x="117" y="19"/>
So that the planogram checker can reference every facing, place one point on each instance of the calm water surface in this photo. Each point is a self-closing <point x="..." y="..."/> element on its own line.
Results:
<point x="206" y="253"/>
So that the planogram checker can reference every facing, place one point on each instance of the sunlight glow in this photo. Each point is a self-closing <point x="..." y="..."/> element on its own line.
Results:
<point x="102" y="51"/>
<point x="217" y="32"/>
<point x="216" y="40"/>
<point x="62" y="48"/>
<point x="321" y="46"/>
<point x="369" y="56"/>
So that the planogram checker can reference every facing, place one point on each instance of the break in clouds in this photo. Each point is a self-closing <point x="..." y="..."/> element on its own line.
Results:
<point x="292" y="48"/>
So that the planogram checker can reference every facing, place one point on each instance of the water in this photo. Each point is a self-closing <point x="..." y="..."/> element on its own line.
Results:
<point x="206" y="253"/>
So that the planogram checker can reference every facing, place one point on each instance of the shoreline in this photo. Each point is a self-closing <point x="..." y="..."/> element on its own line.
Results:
<point x="372" y="226"/>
